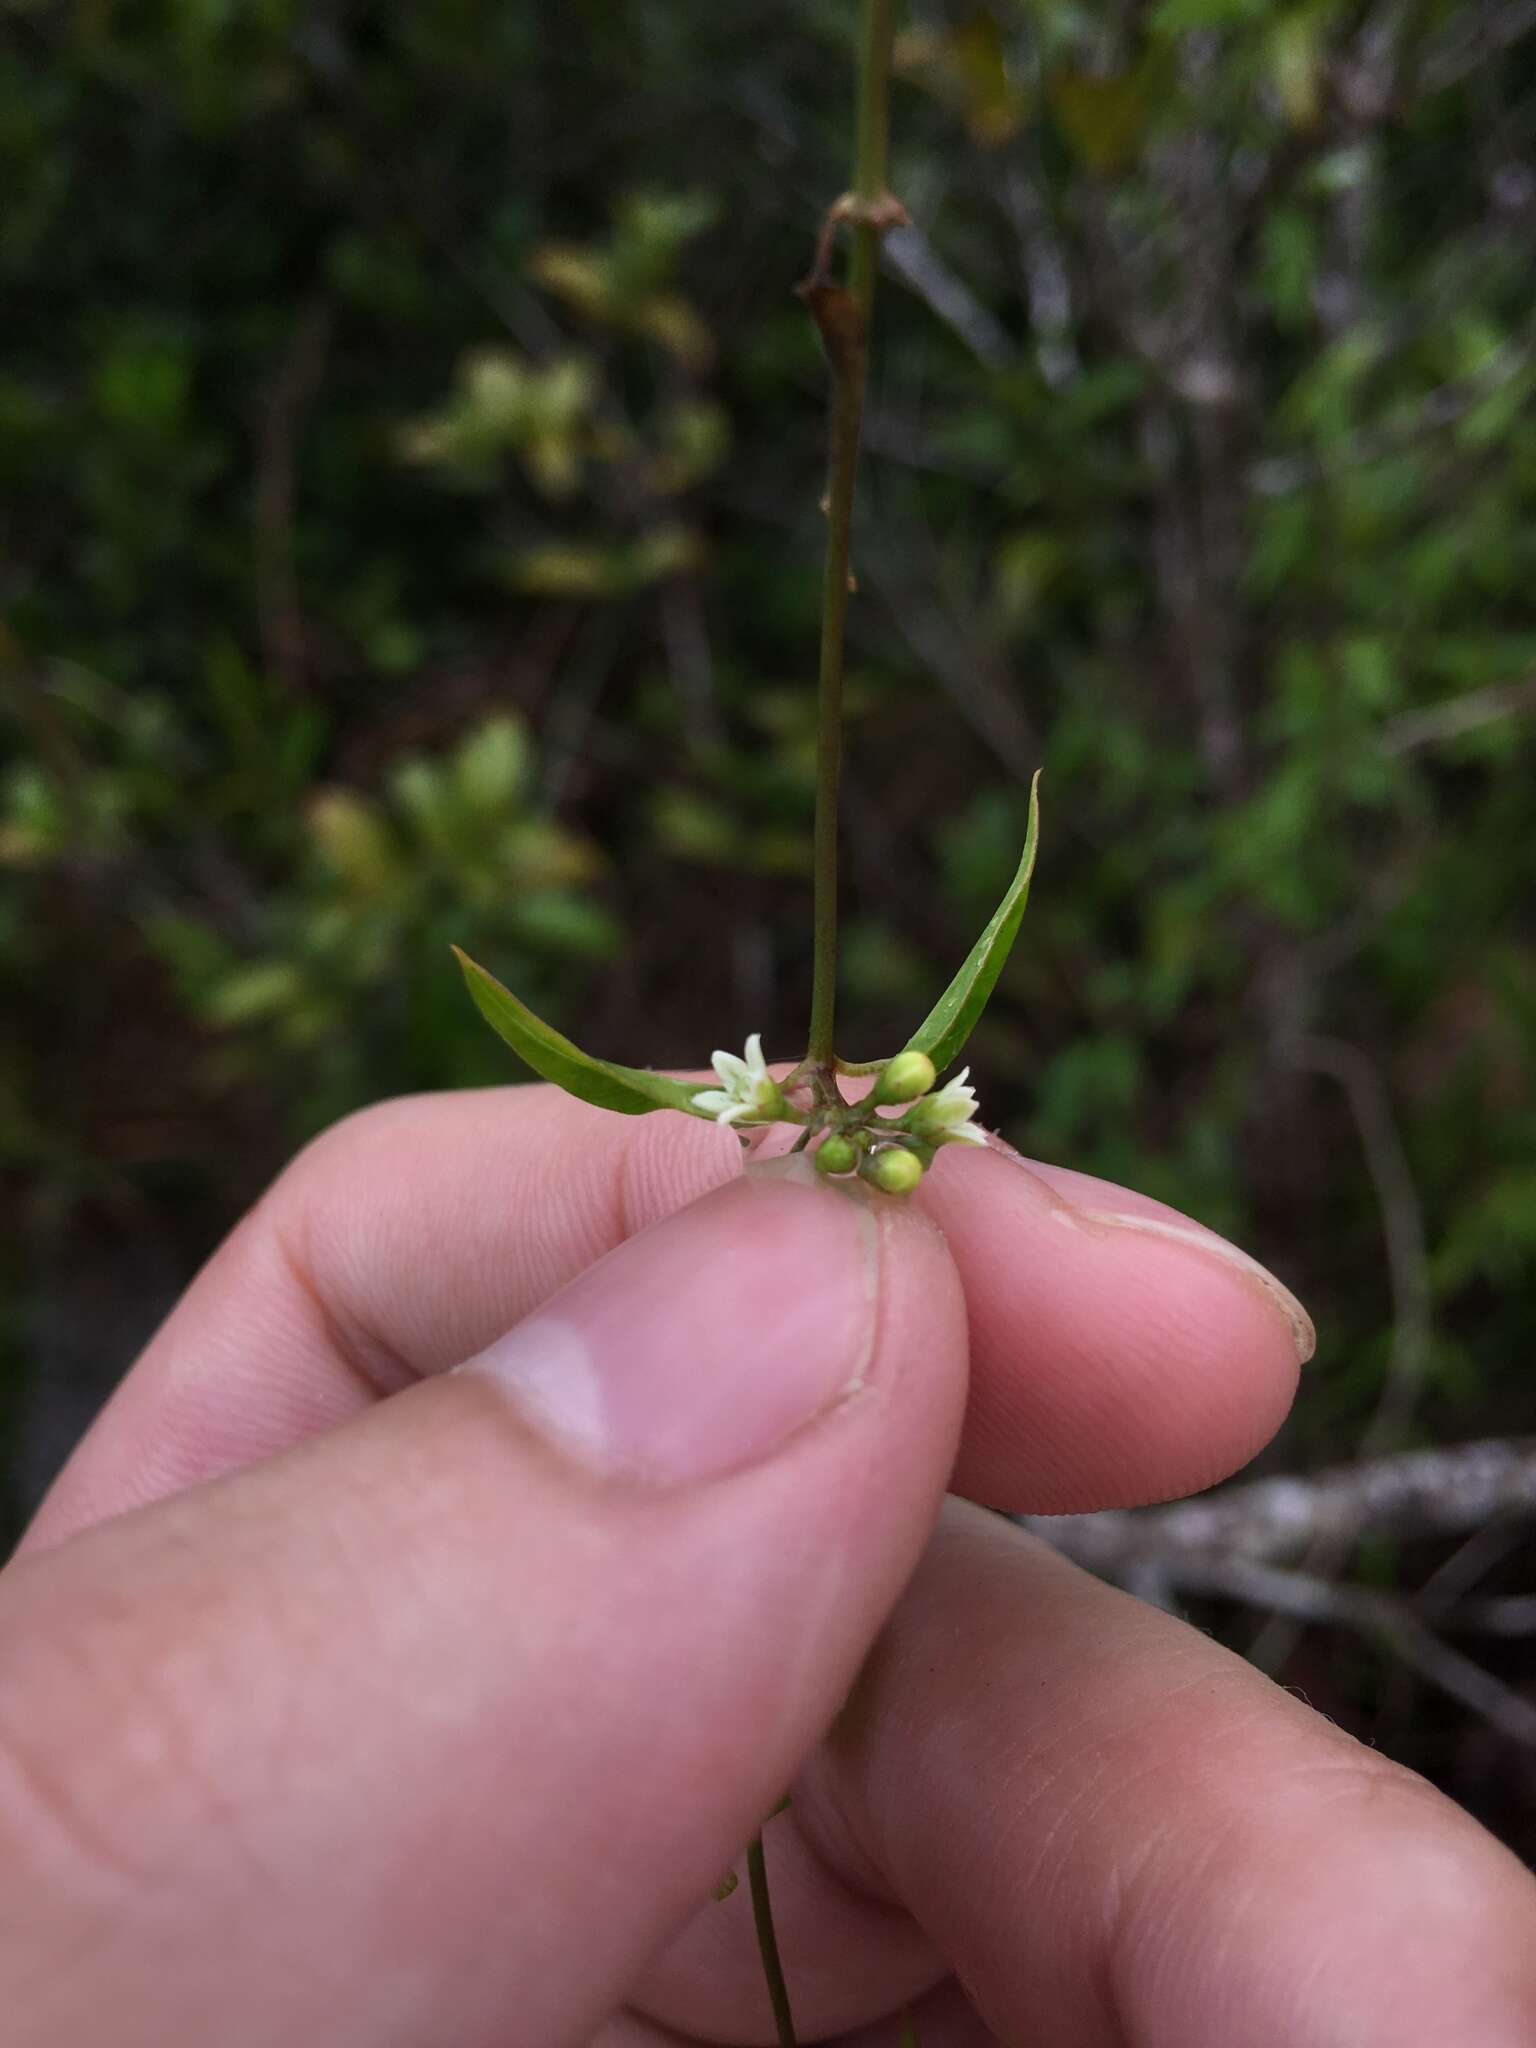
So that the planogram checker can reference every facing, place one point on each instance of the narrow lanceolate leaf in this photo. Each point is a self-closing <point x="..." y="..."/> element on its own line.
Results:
<point x="630" y="1090"/>
<point x="956" y="1014"/>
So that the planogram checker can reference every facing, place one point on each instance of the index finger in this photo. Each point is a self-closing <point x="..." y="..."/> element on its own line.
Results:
<point x="1116" y="1831"/>
<point x="1118" y="1352"/>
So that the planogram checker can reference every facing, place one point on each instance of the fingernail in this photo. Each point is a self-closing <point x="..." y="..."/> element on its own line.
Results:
<point x="1274" y="1293"/>
<point x="1063" y="1189"/>
<point x="701" y="1345"/>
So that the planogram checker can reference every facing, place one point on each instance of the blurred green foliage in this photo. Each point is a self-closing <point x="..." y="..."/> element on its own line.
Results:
<point x="409" y="460"/>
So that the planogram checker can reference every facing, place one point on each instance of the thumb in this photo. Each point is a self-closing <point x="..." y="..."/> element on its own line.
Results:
<point x="436" y="1727"/>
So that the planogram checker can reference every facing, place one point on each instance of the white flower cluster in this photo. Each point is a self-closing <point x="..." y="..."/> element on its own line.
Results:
<point x="748" y="1093"/>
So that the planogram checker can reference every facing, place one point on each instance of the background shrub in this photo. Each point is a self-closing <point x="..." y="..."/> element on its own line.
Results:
<point x="409" y="461"/>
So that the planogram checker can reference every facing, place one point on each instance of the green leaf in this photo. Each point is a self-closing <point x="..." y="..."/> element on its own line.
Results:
<point x="1104" y="120"/>
<point x="630" y="1090"/>
<point x="956" y="1014"/>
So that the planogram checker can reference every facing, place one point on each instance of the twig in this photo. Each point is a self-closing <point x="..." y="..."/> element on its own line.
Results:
<point x="1230" y="1544"/>
<point x="1469" y="39"/>
<point x="1448" y="721"/>
<point x="1402" y="1224"/>
<point x="1443" y="1492"/>
<point x="1304" y="1598"/>
<point x="1276" y="476"/>
<point x="915" y="260"/>
<point x="1512" y="1615"/>
<point x="685" y="634"/>
<point x="280" y="617"/>
<point x="1471" y="1561"/>
<point x="970" y="671"/>
<point x="1047" y="280"/>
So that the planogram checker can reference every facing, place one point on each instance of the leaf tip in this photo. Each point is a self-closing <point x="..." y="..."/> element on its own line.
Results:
<point x="474" y="974"/>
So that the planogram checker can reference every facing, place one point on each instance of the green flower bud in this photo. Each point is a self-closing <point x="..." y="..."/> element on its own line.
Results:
<point x="904" y="1078"/>
<point x="894" y="1169"/>
<point x="836" y="1155"/>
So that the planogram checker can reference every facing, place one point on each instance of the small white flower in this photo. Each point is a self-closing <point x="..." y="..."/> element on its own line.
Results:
<point x="748" y="1093"/>
<point x="946" y="1116"/>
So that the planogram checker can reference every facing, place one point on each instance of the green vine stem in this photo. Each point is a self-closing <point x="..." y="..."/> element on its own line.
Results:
<point x="843" y="316"/>
<point x="767" y="1941"/>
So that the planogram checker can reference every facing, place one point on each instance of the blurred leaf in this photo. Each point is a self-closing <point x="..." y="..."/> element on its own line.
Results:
<point x="967" y="68"/>
<point x="670" y="320"/>
<point x="545" y="854"/>
<point x="664" y="551"/>
<point x="142" y="381"/>
<point x="1494" y="1237"/>
<point x="492" y="765"/>
<point x="880" y="964"/>
<point x="1296" y="58"/>
<point x="354" y="839"/>
<point x="1026" y="565"/>
<point x="1103" y="119"/>
<point x="694" y="440"/>
<point x="505" y="405"/>
<point x="1174" y="17"/>
<point x="1489" y="422"/>
<point x="1288" y="265"/>
<point x="569" y="570"/>
<point x="555" y="921"/>
<point x="692" y="827"/>
<point x="622" y="283"/>
<point x="262" y="990"/>
<point x="572" y="570"/>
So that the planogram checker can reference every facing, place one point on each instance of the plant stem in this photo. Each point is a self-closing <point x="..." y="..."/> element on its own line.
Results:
<point x="845" y="329"/>
<point x="843" y="316"/>
<point x="767" y="1941"/>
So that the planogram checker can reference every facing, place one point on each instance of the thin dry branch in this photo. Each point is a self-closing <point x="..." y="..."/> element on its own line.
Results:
<point x="1448" y="721"/>
<point x="1236" y="1545"/>
<point x="1403" y="1236"/>
<point x="1444" y="1492"/>
<point x="1304" y="1599"/>
<point x="918" y="264"/>
<point x="280" y="616"/>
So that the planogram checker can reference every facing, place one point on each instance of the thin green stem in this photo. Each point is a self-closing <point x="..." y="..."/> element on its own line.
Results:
<point x="844" y="319"/>
<point x="767" y="1941"/>
<point x="871" y="149"/>
<point x="843" y="316"/>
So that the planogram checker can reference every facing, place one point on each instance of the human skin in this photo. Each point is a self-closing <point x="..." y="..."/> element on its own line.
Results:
<point x="348" y="1698"/>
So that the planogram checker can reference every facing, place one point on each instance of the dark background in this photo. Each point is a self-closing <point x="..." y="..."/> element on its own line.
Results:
<point x="409" y="460"/>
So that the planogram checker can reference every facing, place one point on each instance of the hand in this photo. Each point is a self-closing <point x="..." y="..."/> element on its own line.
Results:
<point x="422" y="1709"/>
